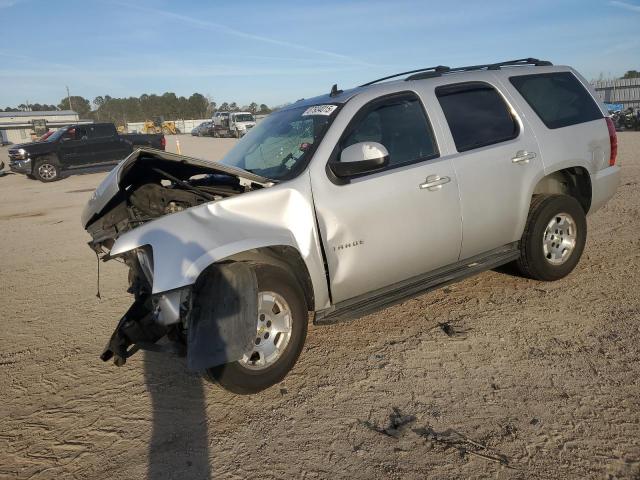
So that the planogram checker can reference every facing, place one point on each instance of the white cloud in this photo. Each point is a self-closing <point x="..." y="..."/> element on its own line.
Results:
<point x="220" y="28"/>
<point x="9" y="3"/>
<point x="627" y="6"/>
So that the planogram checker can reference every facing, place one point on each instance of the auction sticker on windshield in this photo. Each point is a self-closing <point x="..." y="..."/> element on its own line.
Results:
<point x="320" y="110"/>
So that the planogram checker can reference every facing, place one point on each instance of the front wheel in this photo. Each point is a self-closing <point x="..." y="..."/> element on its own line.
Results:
<point x="281" y="329"/>
<point x="554" y="237"/>
<point x="46" y="170"/>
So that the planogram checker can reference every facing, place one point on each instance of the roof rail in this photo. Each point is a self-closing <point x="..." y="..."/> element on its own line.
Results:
<point x="488" y="66"/>
<point x="439" y="68"/>
<point x="429" y="72"/>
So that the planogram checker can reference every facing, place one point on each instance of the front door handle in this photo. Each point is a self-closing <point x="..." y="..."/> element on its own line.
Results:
<point x="523" y="157"/>
<point x="434" y="182"/>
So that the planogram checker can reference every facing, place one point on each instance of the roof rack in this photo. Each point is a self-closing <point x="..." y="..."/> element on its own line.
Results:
<point x="430" y="72"/>
<point x="439" y="68"/>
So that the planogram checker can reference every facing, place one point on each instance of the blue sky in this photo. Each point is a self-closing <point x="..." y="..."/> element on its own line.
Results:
<point x="276" y="52"/>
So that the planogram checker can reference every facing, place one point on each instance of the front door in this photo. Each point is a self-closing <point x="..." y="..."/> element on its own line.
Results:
<point x="75" y="150"/>
<point x="382" y="228"/>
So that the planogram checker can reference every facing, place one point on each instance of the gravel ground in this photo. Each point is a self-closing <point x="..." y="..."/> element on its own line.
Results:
<point x="496" y="376"/>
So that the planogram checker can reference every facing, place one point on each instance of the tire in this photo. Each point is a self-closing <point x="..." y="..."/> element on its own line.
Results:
<point x="239" y="377"/>
<point x="551" y="217"/>
<point x="46" y="169"/>
<point x="236" y="133"/>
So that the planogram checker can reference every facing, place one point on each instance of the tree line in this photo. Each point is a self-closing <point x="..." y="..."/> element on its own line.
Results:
<point x="145" y="107"/>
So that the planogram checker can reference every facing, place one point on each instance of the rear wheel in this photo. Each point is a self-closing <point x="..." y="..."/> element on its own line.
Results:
<point x="46" y="170"/>
<point x="554" y="237"/>
<point x="281" y="329"/>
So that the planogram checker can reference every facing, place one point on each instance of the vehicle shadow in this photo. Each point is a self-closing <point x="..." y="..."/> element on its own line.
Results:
<point x="87" y="170"/>
<point x="510" y="269"/>
<point x="178" y="448"/>
<point x="179" y="444"/>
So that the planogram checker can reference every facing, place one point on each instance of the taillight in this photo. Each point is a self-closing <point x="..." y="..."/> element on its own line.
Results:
<point x="163" y="141"/>
<point x="613" y="140"/>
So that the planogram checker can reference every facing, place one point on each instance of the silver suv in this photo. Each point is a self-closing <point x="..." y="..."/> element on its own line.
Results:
<point x="346" y="203"/>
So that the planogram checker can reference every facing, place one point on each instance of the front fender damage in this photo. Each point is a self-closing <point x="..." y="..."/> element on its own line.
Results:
<point x="217" y="320"/>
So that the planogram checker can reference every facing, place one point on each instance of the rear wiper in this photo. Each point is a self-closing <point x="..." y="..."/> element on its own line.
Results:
<point x="185" y="185"/>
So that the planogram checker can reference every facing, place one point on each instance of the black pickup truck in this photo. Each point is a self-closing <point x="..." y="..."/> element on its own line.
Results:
<point x="77" y="147"/>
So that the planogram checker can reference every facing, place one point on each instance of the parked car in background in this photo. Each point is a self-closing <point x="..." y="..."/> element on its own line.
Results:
<point x="205" y="129"/>
<point x="346" y="203"/>
<point x="76" y="147"/>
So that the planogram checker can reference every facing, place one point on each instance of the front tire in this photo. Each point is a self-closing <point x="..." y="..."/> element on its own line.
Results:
<point x="280" y="334"/>
<point x="46" y="170"/>
<point x="553" y="239"/>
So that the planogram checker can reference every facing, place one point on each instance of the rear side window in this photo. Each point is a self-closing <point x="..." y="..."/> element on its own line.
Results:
<point x="399" y="123"/>
<point x="559" y="99"/>
<point x="477" y="115"/>
<point x="101" y="131"/>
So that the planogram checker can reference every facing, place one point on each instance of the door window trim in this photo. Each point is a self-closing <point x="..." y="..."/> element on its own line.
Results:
<point x="363" y="112"/>
<point x="507" y="104"/>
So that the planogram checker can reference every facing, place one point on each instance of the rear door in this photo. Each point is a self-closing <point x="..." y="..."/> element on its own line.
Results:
<point x="104" y="143"/>
<point x="496" y="159"/>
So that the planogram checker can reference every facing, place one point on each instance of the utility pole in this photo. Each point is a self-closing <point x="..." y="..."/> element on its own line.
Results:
<point x="69" y="99"/>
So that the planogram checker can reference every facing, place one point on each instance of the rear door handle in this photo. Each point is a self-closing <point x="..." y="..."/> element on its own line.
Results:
<point x="523" y="157"/>
<point x="434" y="182"/>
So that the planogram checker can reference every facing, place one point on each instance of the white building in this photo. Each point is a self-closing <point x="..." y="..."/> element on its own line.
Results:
<point x="21" y="127"/>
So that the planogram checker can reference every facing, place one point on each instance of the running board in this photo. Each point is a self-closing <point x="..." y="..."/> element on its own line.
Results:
<point x="385" y="297"/>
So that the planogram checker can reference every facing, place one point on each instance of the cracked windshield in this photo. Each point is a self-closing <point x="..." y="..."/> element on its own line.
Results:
<point x="278" y="147"/>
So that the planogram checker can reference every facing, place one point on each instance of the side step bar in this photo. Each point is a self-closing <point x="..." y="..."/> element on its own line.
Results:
<point x="399" y="292"/>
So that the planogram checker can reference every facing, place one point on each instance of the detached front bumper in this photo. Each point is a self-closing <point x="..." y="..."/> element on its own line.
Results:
<point x="20" y="165"/>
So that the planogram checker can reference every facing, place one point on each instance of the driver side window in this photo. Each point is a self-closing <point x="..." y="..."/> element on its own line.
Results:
<point x="399" y="123"/>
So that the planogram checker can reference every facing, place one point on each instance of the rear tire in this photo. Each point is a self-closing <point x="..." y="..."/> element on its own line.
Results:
<point x="46" y="169"/>
<point x="553" y="239"/>
<point x="277" y="290"/>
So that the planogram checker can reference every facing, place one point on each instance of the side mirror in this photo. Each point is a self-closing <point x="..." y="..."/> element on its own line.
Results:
<point x="359" y="158"/>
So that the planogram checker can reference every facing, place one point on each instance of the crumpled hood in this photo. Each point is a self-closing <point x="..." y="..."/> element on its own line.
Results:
<point x="113" y="183"/>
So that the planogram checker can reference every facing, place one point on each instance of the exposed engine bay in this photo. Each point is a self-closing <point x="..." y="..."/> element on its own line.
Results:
<point x="153" y="187"/>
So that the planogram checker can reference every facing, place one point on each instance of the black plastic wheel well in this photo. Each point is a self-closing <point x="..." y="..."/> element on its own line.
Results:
<point x="573" y="181"/>
<point x="285" y="257"/>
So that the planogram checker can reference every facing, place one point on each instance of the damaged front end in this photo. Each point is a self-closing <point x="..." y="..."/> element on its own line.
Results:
<point x="121" y="218"/>
<point x="150" y="317"/>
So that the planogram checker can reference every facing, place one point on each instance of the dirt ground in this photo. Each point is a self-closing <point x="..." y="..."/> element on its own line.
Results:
<point x="495" y="377"/>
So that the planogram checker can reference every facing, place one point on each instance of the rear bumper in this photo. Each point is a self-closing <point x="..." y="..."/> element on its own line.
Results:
<point x="603" y="186"/>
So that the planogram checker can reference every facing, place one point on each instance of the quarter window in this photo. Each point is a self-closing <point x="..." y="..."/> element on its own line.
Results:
<point x="559" y="99"/>
<point x="398" y="123"/>
<point x="477" y="115"/>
